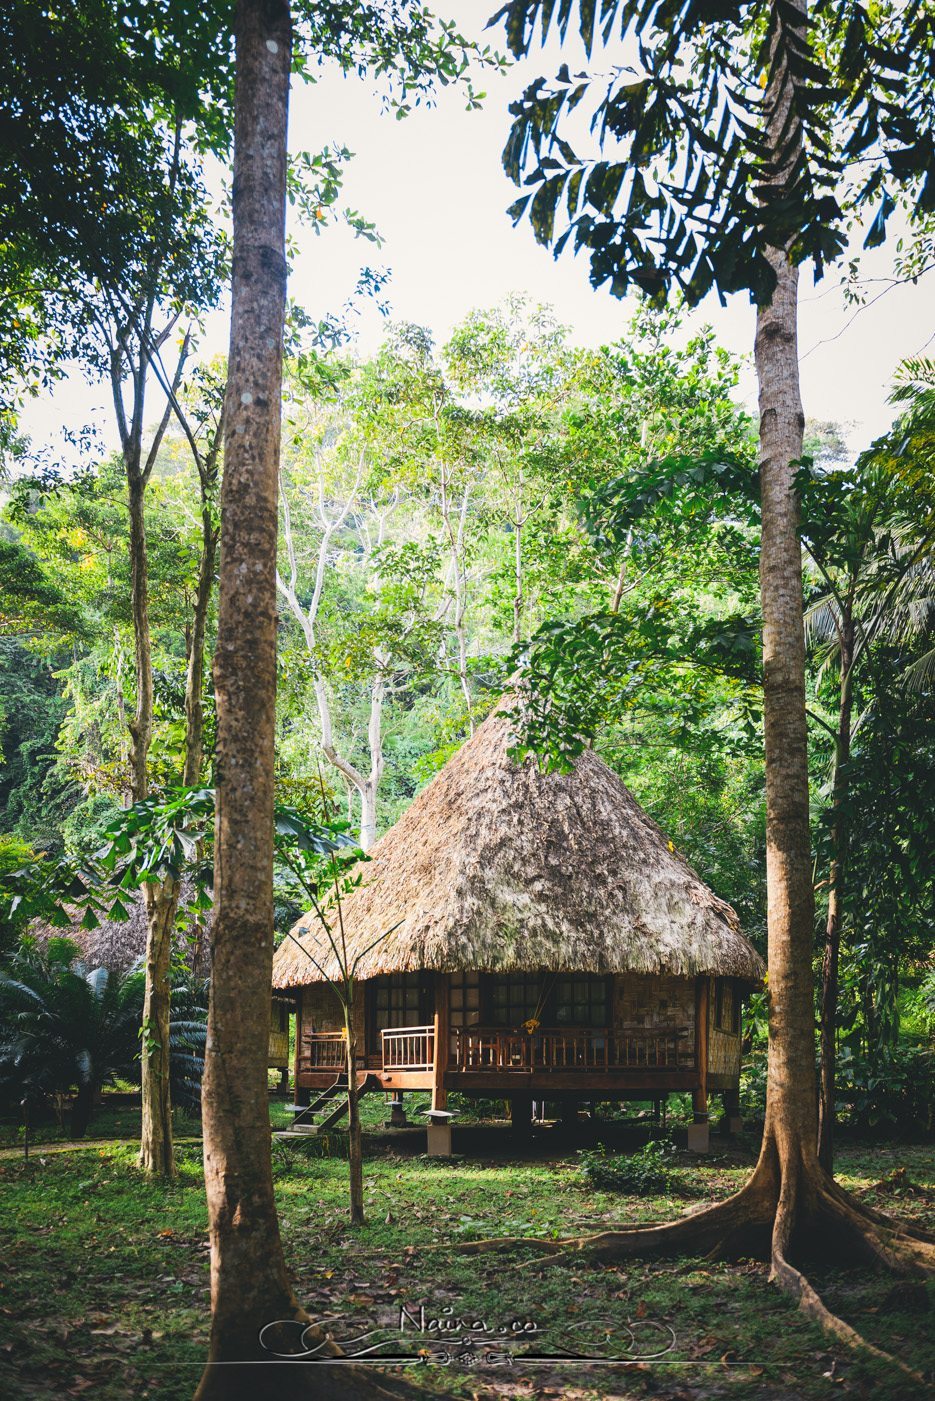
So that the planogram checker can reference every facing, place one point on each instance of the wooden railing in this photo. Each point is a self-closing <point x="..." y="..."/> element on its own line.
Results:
<point x="573" y="1048"/>
<point x="560" y="1049"/>
<point x="323" y="1050"/>
<point x="408" y="1047"/>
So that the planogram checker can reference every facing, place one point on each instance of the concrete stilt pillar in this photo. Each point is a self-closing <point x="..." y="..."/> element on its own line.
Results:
<point x="438" y="1133"/>
<point x="397" y="1119"/>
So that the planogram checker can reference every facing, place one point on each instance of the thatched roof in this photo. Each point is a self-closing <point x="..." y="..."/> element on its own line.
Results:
<point x="118" y="944"/>
<point x="498" y="866"/>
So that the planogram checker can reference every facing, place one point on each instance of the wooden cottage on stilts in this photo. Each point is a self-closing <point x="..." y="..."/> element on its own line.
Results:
<point x="550" y="945"/>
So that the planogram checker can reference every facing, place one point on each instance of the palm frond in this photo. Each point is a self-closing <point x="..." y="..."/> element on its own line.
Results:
<point x="921" y="672"/>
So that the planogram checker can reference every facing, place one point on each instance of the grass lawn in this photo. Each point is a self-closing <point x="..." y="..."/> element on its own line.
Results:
<point x="104" y="1289"/>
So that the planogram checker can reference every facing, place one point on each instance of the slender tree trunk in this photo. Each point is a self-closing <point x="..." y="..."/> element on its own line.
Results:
<point x="157" y="1154"/>
<point x="156" y="1148"/>
<point x="355" y="1157"/>
<point x="194" y="698"/>
<point x="249" y="1284"/>
<point x="789" y="1136"/>
<point x="81" y="1110"/>
<point x="518" y="583"/>
<point x="194" y="677"/>
<point x="455" y="535"/>
<point x="836" y="895"/>
<point x="460" y="617"/>
<point x="370" y="789"/>
<point x="141" y="726"/>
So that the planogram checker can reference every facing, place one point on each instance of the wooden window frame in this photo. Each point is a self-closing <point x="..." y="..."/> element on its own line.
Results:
<point x="592" y="980"/>
<point x="548" y="1012"/>
<point x="426" y="1009"/>
<point x="488" y="983"/>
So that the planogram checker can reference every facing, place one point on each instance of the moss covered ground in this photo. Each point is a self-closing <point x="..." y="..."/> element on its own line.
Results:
<point x="104" y="1289"/>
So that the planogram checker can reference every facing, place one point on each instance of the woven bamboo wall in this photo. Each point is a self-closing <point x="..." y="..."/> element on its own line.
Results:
<point x="654" y="1000"/>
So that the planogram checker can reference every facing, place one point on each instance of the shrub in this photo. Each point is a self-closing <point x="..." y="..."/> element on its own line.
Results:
<point x="890" y="1092"/>
<point x="64" y="1027"/>
<point x="642" y="1174"/>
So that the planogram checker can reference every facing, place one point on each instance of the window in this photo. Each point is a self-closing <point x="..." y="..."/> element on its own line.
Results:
<point x="397" y="999"/>
<point x="465" y="999"/>
<point x="513" y="998"/>
<point x="581" y="1000"/>
<point x="464" y="1005"/>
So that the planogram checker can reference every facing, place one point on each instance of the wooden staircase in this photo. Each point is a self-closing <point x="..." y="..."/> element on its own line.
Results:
<point x="322" y="1113"/>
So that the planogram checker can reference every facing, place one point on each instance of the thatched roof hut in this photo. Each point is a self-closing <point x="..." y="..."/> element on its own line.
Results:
<point x="118" y="945"/>
<point x="498" y="867"/>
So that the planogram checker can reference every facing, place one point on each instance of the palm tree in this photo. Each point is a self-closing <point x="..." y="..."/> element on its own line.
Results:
<point x="64" y="1027"/>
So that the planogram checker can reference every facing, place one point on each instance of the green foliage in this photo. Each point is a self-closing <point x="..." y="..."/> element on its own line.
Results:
<point x="63" y="1027"/>
<point x="66" y="1028"/>
<point x="188" y="1032"/>
<point x="30" y="600"/>
<point x="887" y="1090"/>
<point x="159" y="839"/>
<point x="584" y="672"/>
<point x="35" y="797"/>
<point x="644" y="1173"/>
<point x="14" y="855"/>
<point x="678" y="188"/>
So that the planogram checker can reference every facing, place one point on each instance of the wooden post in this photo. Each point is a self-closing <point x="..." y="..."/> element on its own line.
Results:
<point x="442" y="1023"/>
<point x="521" y="1113"/>
<point x="699" y="1131"/>
<point x="733" y="1123"/>
<point x="297" y="1094"/>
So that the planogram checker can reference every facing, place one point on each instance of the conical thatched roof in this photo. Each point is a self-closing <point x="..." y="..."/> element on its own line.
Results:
<point x="498" y="866"/>
<point x="118" y="944"/>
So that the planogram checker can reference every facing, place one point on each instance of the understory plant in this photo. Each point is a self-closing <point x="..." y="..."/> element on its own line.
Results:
<point x="644" y="1173"/>
<point x="65" y="1028"/>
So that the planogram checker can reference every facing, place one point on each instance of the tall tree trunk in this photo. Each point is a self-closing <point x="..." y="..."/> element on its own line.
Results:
<point x="156" y="1148"/>
<point x="455" y="533"/>
<point x="249" y="1284"/>
<point x="518" y="583"/>
<point x="195" y="673"/>
<point x="836" y="894"/>
<point x="157" y="1153"/>
<point x="141" y="726"/>
<point x="789" y="1204"/>
<point x="194" y="697"/>
<point x="787" y="1163"/>
<point x="250" y="1289"/>
<point x="789" y="1136"/>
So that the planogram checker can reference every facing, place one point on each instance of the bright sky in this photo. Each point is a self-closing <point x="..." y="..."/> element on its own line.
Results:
<point x="434" y="186"/>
